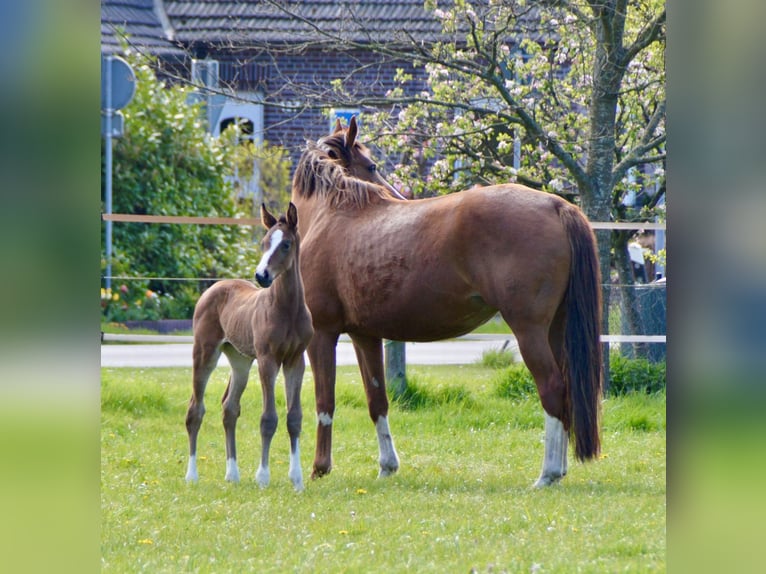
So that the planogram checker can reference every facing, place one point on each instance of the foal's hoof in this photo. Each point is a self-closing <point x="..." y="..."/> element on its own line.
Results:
<point x="547" y="480"/>
<point x="387" y="471"/>
<point x="262" y="477"/>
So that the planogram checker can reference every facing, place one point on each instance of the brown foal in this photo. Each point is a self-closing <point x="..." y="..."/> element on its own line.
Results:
<point x="272" y="326"/>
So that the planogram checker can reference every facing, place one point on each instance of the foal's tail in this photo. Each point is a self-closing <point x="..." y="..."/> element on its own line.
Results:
<point x="582" y="348"/>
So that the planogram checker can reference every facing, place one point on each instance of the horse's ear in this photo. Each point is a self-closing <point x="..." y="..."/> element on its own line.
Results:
<point x="351" y="133"/>
<point x="292" y="215"/>
<point x="267" y="219"/>
<point x="338" y="126"/>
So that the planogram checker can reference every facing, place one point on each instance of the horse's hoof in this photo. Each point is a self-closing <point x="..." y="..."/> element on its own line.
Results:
<point x="319" y="473"/>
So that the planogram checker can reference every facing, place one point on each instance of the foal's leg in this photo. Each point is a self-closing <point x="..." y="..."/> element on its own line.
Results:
<point x="369" y="354"/>
<point x="293" y="371"/>
<point x="267" y="369"/>
<point x="204" y="360"/>
<point x="240" y="370"/>
<point x="321" y="351"/>
<point x="538" y="356"/>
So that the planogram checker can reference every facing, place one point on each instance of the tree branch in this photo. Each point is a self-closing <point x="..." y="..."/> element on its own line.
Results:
<point x="647" y="143"/>
<point x="652" y="32"/>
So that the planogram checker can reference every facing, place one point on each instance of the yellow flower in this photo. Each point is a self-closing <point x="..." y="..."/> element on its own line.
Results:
<point x="116" y="297"/>
<point x="146" y="541"/>
<point x="361" y="491"/>
<point x="342" y="531"/>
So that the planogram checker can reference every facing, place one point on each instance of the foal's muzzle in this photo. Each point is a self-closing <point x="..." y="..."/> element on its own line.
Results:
<point x="264" y="279"/>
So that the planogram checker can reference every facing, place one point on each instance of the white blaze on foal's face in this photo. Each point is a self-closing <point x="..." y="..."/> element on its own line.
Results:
<point x="276" y="240"/>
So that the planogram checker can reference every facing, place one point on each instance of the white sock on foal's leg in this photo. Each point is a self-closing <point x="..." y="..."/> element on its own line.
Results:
<point x="295" y="473"/>
<point x="555" y="459"/>
<point x="262" y="476"/>
<point x="191" y="469"/>
<point x="232" y="470"/>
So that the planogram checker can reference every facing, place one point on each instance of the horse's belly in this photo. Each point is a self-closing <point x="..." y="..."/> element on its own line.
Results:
<point x="420" y="319"/>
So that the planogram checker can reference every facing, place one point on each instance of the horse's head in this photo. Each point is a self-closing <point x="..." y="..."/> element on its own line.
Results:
<point x="343" y="147"/>
<point x="280" y="245"/>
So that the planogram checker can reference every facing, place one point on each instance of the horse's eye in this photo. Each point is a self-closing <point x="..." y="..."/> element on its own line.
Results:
<point x="373" y="168"/>
<point x="285" y="245"/>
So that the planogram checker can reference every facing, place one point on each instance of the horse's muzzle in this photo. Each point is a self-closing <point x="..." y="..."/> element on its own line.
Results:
<point x="264" y="279"/>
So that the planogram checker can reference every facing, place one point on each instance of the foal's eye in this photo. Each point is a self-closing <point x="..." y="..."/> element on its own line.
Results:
<point x="373" y="168"/>
<point x="285" y="246"/>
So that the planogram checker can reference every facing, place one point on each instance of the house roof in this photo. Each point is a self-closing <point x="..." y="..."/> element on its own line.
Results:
<point x="259" y="22"/>
<point x="142" y="21"/>
<point x="161" y="26"/>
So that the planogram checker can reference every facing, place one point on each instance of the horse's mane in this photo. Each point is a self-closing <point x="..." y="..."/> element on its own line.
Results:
<point x="319" y="175"/>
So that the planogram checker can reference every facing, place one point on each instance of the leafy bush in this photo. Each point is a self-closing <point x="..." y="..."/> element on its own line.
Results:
<point x="628" y="375"/>
<point x="515" y="382"/>
<point x="167" y="164"/>
<point x="635" y="375"/>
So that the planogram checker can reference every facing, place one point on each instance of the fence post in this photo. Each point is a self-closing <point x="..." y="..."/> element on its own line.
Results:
<point x="396" y="379"/>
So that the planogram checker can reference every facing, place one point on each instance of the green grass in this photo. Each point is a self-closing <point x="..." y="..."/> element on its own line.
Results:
<point x="462" y="499"/>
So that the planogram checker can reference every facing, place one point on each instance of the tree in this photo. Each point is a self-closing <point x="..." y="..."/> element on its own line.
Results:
<point x="167" y="164"/>
<point x="574" y="90"/>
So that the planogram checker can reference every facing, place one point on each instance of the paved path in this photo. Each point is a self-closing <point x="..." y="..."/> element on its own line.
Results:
<point x="464" y="350"/>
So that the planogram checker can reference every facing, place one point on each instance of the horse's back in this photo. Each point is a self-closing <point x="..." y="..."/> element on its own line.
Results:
<point x="433" y="268"/>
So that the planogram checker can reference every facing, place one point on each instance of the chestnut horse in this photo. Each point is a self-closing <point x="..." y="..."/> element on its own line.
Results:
<point x="377" y="267"/>
<point x="272" y="325"/>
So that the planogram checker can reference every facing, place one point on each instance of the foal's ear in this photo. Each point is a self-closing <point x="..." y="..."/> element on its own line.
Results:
<point x="267" y="219"/>
<point x="351" y="133"/>
<point x="292" y="216"/>
<point x="338" y="126"/>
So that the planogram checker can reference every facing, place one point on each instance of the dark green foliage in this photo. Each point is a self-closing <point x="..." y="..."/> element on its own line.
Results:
<point x="167" y="164"/>
<point x="628" y="375"/>
<point x="635" y="375"/>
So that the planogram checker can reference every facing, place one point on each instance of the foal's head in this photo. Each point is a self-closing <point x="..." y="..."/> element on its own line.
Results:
<point x="280" y="245"/>
<point x="343" y="147"/>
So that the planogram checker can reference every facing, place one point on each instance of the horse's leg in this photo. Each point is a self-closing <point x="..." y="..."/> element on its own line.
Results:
<point x="539" y="358"/>
<point x="204" y="360"/>
<point x="293" y="371"/>
<point x="321" y="351"/>
<point x="240" y="370"/>
<point x="556" y="341"/>
<point x="267" y="369"/>
<point x="369" y="354"/>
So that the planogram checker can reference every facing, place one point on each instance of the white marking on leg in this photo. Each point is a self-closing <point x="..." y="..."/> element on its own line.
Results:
<point x="295" y="473"/>
<point x="555" y="458"/>
<point x="232" y="470"/>
<point x="324" y="419"/>
<point x="276" y="239"/>
<point x="191" y="469"/>
<point x="389" y="461"/>
<point x="262" y="476"/>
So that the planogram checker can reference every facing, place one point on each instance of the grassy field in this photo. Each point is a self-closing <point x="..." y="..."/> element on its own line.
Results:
<point x="461" y="502"/>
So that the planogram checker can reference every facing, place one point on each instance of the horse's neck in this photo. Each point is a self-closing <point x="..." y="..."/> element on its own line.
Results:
<point x="287" y="290"/>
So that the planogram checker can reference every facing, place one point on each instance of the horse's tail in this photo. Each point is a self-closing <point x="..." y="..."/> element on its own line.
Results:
<point x="582" y="348"/>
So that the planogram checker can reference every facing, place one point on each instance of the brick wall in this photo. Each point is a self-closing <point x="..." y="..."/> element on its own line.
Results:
<point x="313" y="70"/>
